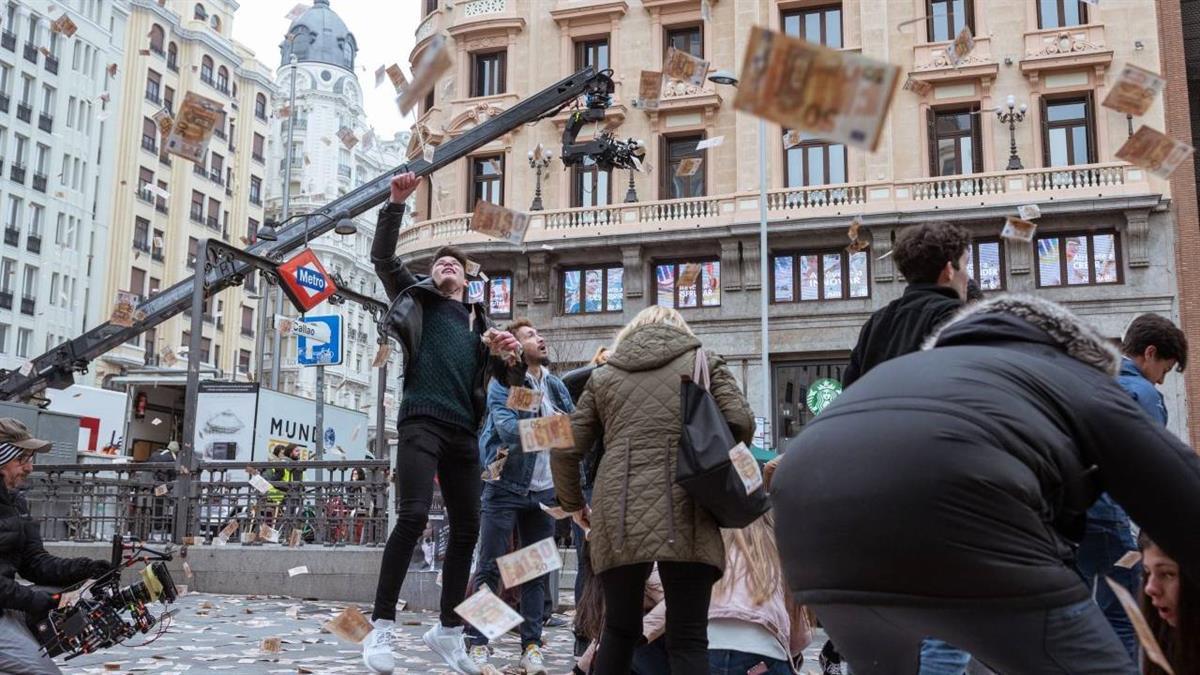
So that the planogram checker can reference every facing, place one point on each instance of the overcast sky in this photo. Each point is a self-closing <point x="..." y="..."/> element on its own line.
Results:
<point x="383" y="30"/>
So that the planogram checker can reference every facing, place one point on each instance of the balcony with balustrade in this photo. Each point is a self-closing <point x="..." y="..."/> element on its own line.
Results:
<point x="51" y="64"/>
<point x="5" y="102"/>
<point x="16" y="173"/>
<point x="39" y="181"/>
<point x="28" y="305"/>
<point x="46" y="123"/>
<point x="33" y="244"/>
<point x="30" y="52"/>
<point x="8" y="40"/>
<point x="24" y="112"/>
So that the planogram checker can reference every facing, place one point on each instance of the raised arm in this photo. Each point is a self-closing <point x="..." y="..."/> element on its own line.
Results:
<point x="388" y="266"/>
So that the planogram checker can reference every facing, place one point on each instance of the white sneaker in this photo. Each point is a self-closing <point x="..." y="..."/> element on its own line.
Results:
<point x="377" y="647"/>
<point x="531" y="661"/>
<point x="448" y="644"/>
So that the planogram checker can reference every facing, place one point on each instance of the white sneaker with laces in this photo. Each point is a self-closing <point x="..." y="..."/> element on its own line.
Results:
<point x="532" y="662"/>
<point x="377" y="647"/>
<point x="448" y="644"/>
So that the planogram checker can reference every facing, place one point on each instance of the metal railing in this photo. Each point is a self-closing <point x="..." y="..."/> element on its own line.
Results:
<point x="92" y="502"/>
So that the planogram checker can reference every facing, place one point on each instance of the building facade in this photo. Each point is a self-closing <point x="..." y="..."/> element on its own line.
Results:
<point x="608" y="245"/>
<point x="329" y="100"/>
<point x="58" y="126"/>
<point x="164" y="205"/>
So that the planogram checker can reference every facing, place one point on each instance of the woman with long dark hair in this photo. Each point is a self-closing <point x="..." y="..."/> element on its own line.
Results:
<point x="1171" y="603"/>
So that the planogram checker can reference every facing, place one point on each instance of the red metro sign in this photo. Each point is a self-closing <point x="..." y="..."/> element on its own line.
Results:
<point x="305" y="280"/>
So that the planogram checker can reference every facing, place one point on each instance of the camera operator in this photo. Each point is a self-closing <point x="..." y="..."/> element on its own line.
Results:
<point x="21" y="551"/>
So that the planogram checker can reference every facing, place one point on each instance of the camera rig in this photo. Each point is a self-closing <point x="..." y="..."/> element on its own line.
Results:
<point x="604" y="151"/>
<point x="93" y="619"/>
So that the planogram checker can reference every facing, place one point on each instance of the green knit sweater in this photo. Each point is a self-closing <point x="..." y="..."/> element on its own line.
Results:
<point x="440" y="383"/>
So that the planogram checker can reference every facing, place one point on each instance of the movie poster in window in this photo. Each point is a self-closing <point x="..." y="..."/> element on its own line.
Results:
<point x="859" y="285"/>
<point x="784" y="281"/>
<point x="500" y="302"/>
<point x="1049" y="273"/>
<point x="809" y="278"/>
<point x="710" y="282"/>
<point x="616" y="289"/>
<point x="1077" y="261"/>
<point x="687" y="294"/>
<point x="833" y="275"/>
<point x="571" y="292"/>
<point x="989" y="266"/>
<point x="593" y="298"/>
<point x="1104" y="253"/>
<point x="665" y="278"/>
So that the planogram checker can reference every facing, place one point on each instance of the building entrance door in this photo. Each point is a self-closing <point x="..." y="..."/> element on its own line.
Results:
<point x="800" y="387"/>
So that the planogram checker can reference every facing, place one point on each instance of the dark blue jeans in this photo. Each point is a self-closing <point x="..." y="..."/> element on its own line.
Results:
<point x="729" y="662"/>
<point x="501" y="512"/>
<point x="1103" y="545"/>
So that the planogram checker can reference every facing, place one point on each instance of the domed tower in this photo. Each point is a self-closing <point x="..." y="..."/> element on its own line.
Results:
<point x="319" y="36"/>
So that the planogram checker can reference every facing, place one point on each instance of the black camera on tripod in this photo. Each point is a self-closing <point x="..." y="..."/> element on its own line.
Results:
<point x="604" y="151"/>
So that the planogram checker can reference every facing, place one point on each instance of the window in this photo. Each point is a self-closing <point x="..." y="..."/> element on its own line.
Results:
<point x="214" y="207"/>
<point x="157" y="244"/>
<point x="1061" y="13"/>
<point x="676" y="149"/>
<point x="431" y="6"/>
<point x="206" y="69"/>
<point x="487" y="73"/>
<point x="1067" y="131"/>
<point x="8" y="275"/>
<point x="496" y="293"/>
<point x="954" y="147"/>
<point x="487" y="180"/>
<point x="256" y="147"/>
<point x="814" y="162"/>
<point x="590" y="186"/>
<point x="255" y="190"/>
<point x="145" y="177"/>
<point x="705" y="291"/>
<point x="199" y="12"/>
<point x="29" y="289"/>
<point x="593" y="289"/>
<point x="1078" y="259"/>
<point x="193" y="249"/>
<point x="153" y="86"/>
<point x="149" y="134"/>
<point x="3" y="338"/>
<point x="592" y="53"/>
<point x="137" y="281"/>
<point x="689" y="39"/>
<point x="205" y="350"/>
<point x="156" y="39"/>
<point x="172" y="56"/>
<point x="819" y="25"/>
<point x="223" y="79"/>
<point x="947" y="18"/>
<point x="244" y="361"/>
<point x="169" y="99"/>
<point x="247" y="320"/>
<point x="24" y="337"/>
<point x="820" y="275"/>
<point x="141" y="234"/>
<point x="260" y="107"/>
<point x="36" y="214"/>
<point x="986" y="264"/>
<point x="197" y="212"/>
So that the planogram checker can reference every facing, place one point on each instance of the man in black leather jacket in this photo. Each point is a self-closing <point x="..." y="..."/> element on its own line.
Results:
<point x="21" y="551"/>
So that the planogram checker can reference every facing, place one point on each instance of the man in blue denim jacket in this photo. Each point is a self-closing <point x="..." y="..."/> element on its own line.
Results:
<point x="512" y="501"/>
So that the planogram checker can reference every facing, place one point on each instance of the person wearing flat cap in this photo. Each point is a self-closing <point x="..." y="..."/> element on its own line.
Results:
<point x="21" y="551"/>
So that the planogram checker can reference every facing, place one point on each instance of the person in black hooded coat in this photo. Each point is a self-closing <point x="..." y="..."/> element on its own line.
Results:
<point x="944" y="495"/>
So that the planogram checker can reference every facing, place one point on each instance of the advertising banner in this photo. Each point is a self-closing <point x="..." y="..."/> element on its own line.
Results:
<point x="225" y="414"/>
<point x="285" y="420"/>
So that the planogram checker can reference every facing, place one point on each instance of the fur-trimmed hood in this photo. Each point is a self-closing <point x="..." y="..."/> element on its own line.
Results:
<point x="1030" y="319"/>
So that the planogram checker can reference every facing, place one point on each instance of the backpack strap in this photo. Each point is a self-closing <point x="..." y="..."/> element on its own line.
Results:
<point x="700" y="373"/>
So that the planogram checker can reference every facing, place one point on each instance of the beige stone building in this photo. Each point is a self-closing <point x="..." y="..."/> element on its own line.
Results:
<point x="605" y="248"/>
<point x="175" y="47"/>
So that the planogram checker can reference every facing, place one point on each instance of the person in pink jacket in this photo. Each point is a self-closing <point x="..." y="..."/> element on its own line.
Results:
<point x="753" y="624"/>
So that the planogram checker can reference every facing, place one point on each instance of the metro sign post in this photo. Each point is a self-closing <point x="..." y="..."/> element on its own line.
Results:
<point x="305" y="281"/>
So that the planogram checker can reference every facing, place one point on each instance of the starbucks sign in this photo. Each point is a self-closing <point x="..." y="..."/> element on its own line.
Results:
<point x="821" y="393"/>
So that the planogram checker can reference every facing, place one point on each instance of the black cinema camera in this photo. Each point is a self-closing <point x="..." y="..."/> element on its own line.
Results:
<point x="97" y="618"/>
<point x="604" y="151"/>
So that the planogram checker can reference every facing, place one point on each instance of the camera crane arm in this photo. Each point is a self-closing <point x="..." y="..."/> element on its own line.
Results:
<point x="55" y="367"/>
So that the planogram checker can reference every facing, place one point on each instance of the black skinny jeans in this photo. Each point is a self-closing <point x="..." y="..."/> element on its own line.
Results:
<point x="427" y="447"/>
<point x="688" y="589"/>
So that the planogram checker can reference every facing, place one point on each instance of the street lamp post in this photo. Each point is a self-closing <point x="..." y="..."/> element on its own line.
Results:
<point x="726" y="77"/>
<point x="287" y="194"/>
<point x="631" y="193"/>
<point x="538" y="161"/>
<point x="1011" y="118"/>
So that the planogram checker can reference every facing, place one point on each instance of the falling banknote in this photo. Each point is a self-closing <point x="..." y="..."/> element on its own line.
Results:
<point x="1145" y="636"/>
<point x="434" y="61"/>
<point x="962" y="45"/>
<point x="124" y="310"/>
<point x="488" y="613"/>
<point x="524" y="398"/>
<point x="680" y="65"/>
<point x="1017" y="229"/>
<point x="688" y="166"/>
<point x="1134" y="91"/>
<point x="838" y="96"/>
<point x="650" y="89"/>
<point x="546" y="433"/>
<point x="499" y="222"/>
<point x="746" y="466"/>
<point x="350" y="625"/>
<point x="193" y="127"/>
<point x="1155" y="151"/>
<point x="529" y="563"/>
<point x="347" y="137"/>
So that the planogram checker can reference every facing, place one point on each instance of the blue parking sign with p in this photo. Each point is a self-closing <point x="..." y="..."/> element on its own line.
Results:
<point x="312" y="353"/>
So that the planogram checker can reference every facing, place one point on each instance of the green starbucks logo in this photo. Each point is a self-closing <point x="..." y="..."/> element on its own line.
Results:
<point x="821" y="393"/>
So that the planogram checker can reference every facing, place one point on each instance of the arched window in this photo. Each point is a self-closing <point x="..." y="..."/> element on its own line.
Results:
<point x="199" y="12"/>
<point x="172" y="56"/>
<point x="223" y="79"/>
<point x="260" y="107"/>
<point x="215" y="22"/>
<point x="156" y="39"/>
<point x="206" y="69"/>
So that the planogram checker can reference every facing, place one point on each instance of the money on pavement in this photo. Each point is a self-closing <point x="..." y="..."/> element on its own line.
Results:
<point x="1017" y="229"/>
<point x="680" y="65"/>
<point x="1155" y="151"/>
<point x="434" y="61"/>
<point x="488" y="614"/>
<point x="193" y="127"/>
<point x="746" y="466"/>
<point x="839" y="96"/>
<point x="531" y="562"/>
<point x="499" y="222"/>
<point x="1145" y="636"/>
<point x="546" y="433"/>
<point x="349" y="625"/>
<point x="1134" y="91"/>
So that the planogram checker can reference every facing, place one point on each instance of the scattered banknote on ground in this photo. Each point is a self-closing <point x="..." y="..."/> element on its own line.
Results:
<point x="963" y="43"/>
<point x="303" y="569"/>
<point x="1134" y="91"/>
<point x="918" y="87"/>
<point x="838" y="96"/>
<point x="528" y="563"/>
<point x="1145" y="636"/>
<point x="347" y="137"/>
<point x="650" y="89"/>
<point x="710" y="142"/>
<point x="524" y="398"/>
<point x="556" y="512"/>
<point x="64" y="25"/>
<point x="746" y="466"/>
<point x="1018" y="229"/>
<point x="680" y="65"/>
<point x="261" y="484"/>
<point x="124" y="309"/>
<point x="688" y="166"/>
<point x="688" y="276"/>
<point x="349" y="625"/>
<point x="492" y="472"/>
<point x="1029" y="211"/>
<point x="488" y="614"/>
<point x="193" y="127"/>
<point x="382" y="355"/>
<point x="499" y="222"/>
<point x="271" y="645"/>
<point x="434" y="61"/>
<point x="1155" y="151"/>
<point x="546" y="433"/>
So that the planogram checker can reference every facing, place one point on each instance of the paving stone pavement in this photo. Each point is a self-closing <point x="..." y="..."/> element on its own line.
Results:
<point x="214" y="633"/>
